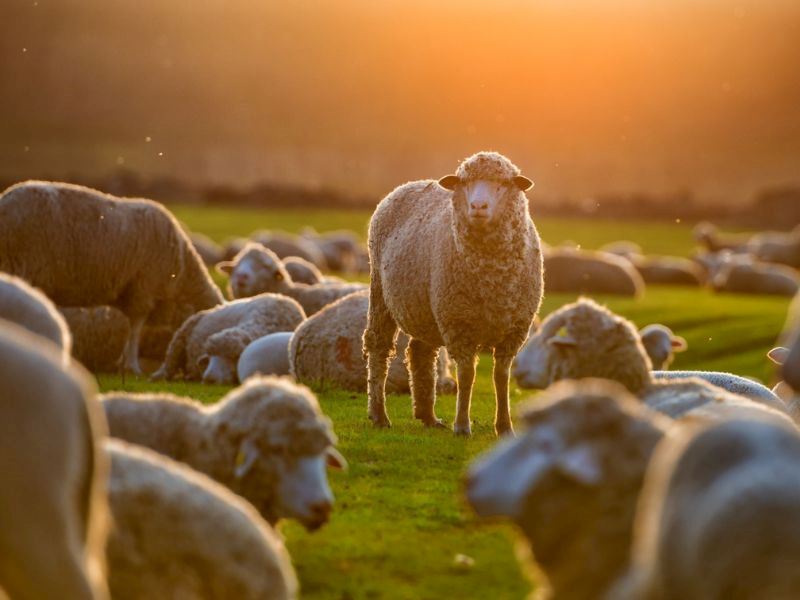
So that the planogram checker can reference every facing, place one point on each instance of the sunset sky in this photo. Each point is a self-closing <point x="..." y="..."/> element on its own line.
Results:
<point x="586" y="96"/>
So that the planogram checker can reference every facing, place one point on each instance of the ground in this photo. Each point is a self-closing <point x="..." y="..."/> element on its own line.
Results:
<point x="400" y="520"/>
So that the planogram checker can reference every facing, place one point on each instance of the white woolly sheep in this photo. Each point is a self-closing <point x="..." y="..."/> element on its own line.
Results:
<point x="256" y="270"/>
<point x="568" y="270"/>
<point x="26" y="306"/>
<point x="54" y="512"/>
<point x="454" y="263"/>
<point x="85" y="248"/>
<point x="302" y="271"/>
<point x="745" y="276"/>
<point x="661" y="343"/>
<point x="584" y="339"/>
<point x="285" y="245"/>
<point x="179" y="534"/>
<point x="268" y="355"/>
<point x="718" y="515"/>
<point x="208" y="344"/>
<point x="326" y="350"/>
<point x="266" y="440"/>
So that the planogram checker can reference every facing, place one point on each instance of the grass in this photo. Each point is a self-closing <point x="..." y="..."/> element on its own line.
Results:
<point x="400" y="520"/>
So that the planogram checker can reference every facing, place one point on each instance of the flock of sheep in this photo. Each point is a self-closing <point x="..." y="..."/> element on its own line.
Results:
<point x="628" y="480"/>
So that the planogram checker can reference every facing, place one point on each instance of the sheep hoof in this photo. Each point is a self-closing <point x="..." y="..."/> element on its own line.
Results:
<point x="437" y="423"/>
<point x="381" y="422"/>
<point x="464" y="430"/>
<point x="504" y="430"/>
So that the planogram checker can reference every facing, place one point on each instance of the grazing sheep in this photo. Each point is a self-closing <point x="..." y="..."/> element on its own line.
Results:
<point x="179" y="534"/>
<point x="285" y="245"/>
<point x="777" y="247"/>
<point x="569" y="270"/>
<point x="453" y="263"/>
<point x="707" y="235"/>
<point x="53" y="509"/>
<point x="668" y="270"/>
<point x="661" y="343"/>
<point x="26" y="306"/>
<point x="584" y="339"/>
<point x="326" y="350"/>
<point x="209" y="251"/>
<point x="85" y="248"/>
<point x="256" y="270"/>
<point x="745" y="276"/>
<point x="302" y="271"/>
<point x="268" y="355"/>
<point x="717" y="516"/>
<point x="570" y="480"/>
<point x="99" y="335"/>
<point x="266" y="440"/>
<point x="208" y="344"/>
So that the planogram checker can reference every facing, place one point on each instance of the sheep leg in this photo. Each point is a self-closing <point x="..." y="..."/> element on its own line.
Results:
<point x="379" y="343"/>
<point x="502" y="416"/>
<point x="466" y="378"/>
<point x="421" y="362"/>
<point x="132" y="346"/>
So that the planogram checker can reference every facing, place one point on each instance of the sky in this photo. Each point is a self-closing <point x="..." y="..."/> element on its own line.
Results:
<point x="587" y="97"/>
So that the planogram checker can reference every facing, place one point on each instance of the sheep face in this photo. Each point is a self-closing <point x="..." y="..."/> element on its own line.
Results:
<point x="303" y="491"/>
<point x="480" y="201"/>
<point x="661" y="345"/>
<point x="255" y="270"/>
<point x="218" y="369"/>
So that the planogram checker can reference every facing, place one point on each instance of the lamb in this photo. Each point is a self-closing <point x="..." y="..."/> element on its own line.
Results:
<point x="266" y="440"/>
<point x="268" y="355"/>
<point x="256" y="270"/>
<point x="584" y="339"/>
<point x="571" y="270"/>
<point x="326" y="350"/>
<point x="717" y="516"/>
<point x="179" y="534"/>
<point x="302" y="271"/>
<point x="208" y="344"/>
<point x="26" y="306"/>
<point x="661" y="343"/>
<point x="285" y="245"/>
<point x="454" y="263"/>
<point x="745" y="276"/>
<point x="54" y="515"/>
<point x="85" y="248"/>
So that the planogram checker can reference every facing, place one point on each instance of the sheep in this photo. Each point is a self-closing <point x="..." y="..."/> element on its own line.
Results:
<point x="256" y="270"/>
<point x="26" y="306"/>
<point x="569" y="270"/>
<point x="179" y="534"/>
<point x="584" y="339"/>
<point x="707" y="235"/>
<point x="209" y="251"/>
<point x="268" y="355"/>
<point x="99" y="335"/>
<point x="54" y="515"/>
<point x="777" y="247"/>
<point x="745" y="276"/>
<point x="623" y="248"/>
<point x="232" y="246"/>
<point x="285" y="245"/>
<point x="669" y="270"/>
<point x="85" y="248"/>
<point x="326" y="350"/>
<point x="302" y="271"/>
<point x="340" y="248"/>
<point x="717" y="516"/>
<point x="266" y="440"/>
<point x="208" y="344"/>
<point x="570" y="480"/>
<point x="454" y="263"/>
<point x="661" y="343"/>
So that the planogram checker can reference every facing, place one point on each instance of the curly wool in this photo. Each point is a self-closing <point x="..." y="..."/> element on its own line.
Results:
<point x="282" y="419"/>
<point x="488" y="166"/>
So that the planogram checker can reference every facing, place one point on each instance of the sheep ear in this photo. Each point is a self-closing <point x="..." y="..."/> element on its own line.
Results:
<point x="225" y="267"/>
<point x="335" y="460"/>
<point x="678" y="343"/>
<point x="449" y="182"/>
<point x="580" y="463"/>
<point x="778" y="355"/>
<point x="245" y="459"/>
<point x="522" y="183"/>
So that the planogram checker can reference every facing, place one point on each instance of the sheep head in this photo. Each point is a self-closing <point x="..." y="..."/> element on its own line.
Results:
<point x="255" y="270"/>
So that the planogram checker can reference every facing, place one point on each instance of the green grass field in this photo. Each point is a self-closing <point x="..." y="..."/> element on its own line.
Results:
<point x="399" y="520"/>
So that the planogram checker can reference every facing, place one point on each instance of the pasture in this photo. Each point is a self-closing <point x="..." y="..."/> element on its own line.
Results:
<point x="399" y="521"/>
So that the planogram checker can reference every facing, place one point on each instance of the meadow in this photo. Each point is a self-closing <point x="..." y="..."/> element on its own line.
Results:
<point x="399" y="521"/>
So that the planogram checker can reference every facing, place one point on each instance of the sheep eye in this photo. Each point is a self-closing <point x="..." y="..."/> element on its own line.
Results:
<point x="278" y="275"/>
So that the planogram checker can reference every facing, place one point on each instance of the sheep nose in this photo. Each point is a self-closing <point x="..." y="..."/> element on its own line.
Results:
<point x="479" y="205"/>
<point x="320" y="511"/>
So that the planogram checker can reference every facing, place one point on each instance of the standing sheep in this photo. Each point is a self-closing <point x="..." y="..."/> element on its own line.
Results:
<point x="53" y="509"/>
<point x="453" y="263"/>
<point x="86" y="248"/>
<point x="326" y="350"/>
<point x="179" y="534"/>
<point x="718" y="515"/>
<point x="569" y="270"/>
<point x="267" y="440"/>
<point x="257" y="270"/>
<point x="26" y="306"/>
<point x="208" y="344"/>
